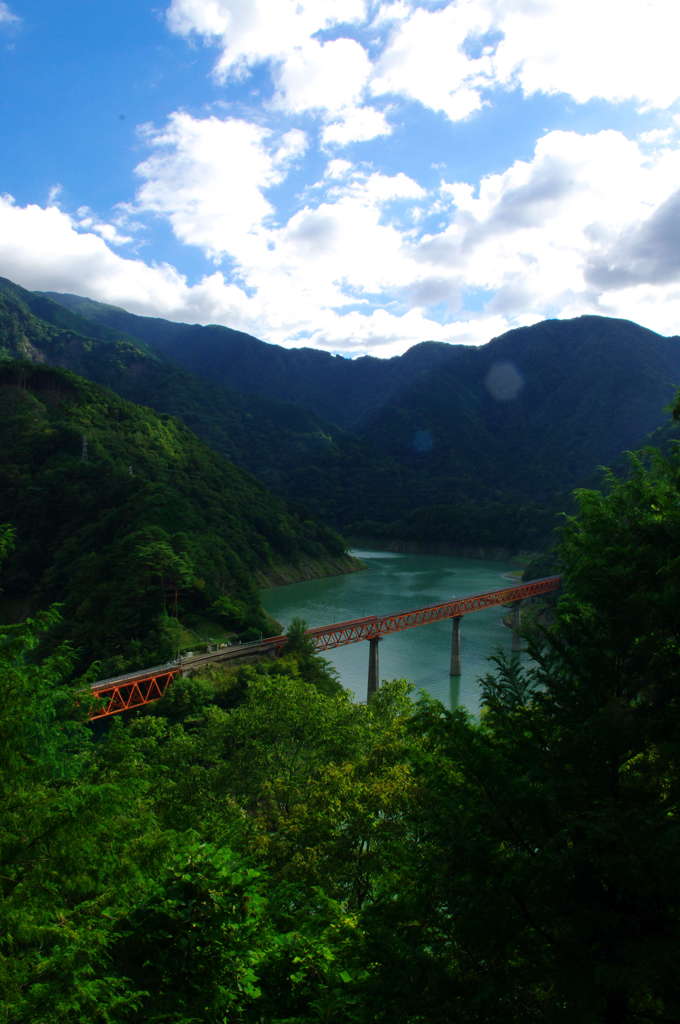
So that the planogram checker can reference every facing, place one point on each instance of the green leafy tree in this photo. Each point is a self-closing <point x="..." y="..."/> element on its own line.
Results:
<point x="76" y="836"/>
<point x="165" y="572"/>
<point x="536" y="868"/>
<point x="7" y="535"/>
<point x="194" y="944"/>
<point x="306" y="662"/>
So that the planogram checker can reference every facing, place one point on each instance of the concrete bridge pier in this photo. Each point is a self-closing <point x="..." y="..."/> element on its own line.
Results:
<point x="515" y="626"/>
<point x="455" y="645"/>
<point x="373" y="667"/>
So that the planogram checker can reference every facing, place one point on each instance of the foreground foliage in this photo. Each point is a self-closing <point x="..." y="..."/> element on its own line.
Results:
<point x="259" y="849"/>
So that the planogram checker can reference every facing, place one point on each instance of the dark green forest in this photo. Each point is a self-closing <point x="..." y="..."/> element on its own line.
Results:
<point x="143" y="535"/>
<point x="257" y="849"/>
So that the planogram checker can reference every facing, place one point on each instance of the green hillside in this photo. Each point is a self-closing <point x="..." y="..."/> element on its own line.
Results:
<point x="266" y="436"/>
<point x="133" y="524"/>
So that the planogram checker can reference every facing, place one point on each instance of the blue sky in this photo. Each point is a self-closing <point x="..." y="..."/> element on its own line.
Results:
<point x="354" y="175"/>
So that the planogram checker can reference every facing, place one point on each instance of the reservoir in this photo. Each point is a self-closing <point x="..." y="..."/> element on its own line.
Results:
<point x="400" y="582"/>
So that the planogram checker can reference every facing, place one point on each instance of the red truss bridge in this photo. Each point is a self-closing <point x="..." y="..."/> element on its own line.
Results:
<point x="134" y="690"/>
<point x="325" y="638"/>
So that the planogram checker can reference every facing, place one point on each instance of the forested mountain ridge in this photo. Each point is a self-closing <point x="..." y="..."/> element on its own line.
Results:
<point x="324" y="471"/>
<point x="449" y="444"/>
<point x="132" y="523"/>
<point x="549" y="357"/>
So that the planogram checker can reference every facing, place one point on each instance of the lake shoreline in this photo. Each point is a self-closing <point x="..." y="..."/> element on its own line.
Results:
<point x="485" y="553"/>
<point x="311" y="569"/>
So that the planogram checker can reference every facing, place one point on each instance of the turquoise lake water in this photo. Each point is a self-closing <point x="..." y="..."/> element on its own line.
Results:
<point x="393" y="583"/>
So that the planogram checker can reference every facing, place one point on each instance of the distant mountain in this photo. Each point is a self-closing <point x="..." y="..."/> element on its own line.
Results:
<point x="569" y="361"/>
<point x="246" y="429"/>
<point x="342" y="391"/>
<point x="140" y="530"/>
<point x="545" y="403"/>
<point x="468" y="445"/>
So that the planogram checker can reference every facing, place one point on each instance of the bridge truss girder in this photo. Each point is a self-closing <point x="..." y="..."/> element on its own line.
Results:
<point x="132" y="693"/>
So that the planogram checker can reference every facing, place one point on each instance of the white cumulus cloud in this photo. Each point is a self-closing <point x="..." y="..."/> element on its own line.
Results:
<point x="330" y="76"/>
<point x="44" y="248"/>
<point x="258" y="30"/>
<point x="449" y="57"/>
<point x="588" y="223"/>
<point x="208" y="177"/>
<point x="356" y="124"/>
<point x="425" y="59"/>
<point x="588" y="215"/>
<point x="6" y="15"/>
<point x="605" y="49"/>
